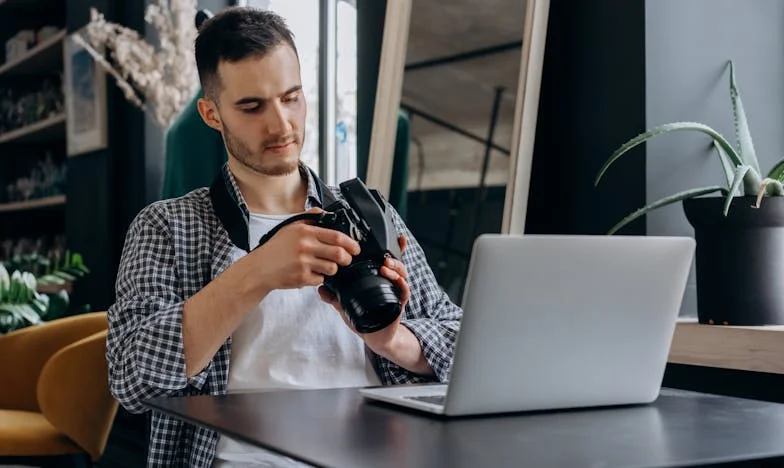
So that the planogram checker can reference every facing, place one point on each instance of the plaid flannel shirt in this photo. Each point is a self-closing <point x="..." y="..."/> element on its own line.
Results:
<point x="173" y="249"/>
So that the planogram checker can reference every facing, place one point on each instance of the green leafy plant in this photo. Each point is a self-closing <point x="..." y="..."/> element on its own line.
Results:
<point x="29" y="300"/>
<point x="50" y="271"/>
<point x="742" y="173"/>
<point x="20" y="303"/>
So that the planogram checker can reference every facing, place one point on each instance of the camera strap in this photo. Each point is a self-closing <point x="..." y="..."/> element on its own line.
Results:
<point x="227" y="209"/>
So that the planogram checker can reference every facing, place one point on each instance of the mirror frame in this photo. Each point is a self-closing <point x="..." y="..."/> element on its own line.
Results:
<point x="389" y="89"/>
<point x="526" y="111"/>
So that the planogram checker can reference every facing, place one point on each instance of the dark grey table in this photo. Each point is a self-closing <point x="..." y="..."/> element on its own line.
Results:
<point x="338" y="428"/>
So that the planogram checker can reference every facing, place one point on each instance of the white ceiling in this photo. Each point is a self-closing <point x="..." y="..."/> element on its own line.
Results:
<point x="461" y="93"/>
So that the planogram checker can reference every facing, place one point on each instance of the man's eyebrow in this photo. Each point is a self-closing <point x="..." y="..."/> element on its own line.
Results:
<point x="250" y="100"/>
<point x="293" y="89"/>
<point x="261" y="101"/>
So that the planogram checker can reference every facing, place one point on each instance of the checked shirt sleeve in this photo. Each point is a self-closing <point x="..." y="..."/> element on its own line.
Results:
<point x="430" y="315"/>
<point x="144" y="345"/>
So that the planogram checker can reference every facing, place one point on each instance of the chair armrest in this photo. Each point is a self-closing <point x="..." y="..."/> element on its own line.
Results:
<point x="73" y="392"/>
<point x="26" y="351"/>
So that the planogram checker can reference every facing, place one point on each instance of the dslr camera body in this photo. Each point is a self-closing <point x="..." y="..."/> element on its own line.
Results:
<point x="371" y="301"/>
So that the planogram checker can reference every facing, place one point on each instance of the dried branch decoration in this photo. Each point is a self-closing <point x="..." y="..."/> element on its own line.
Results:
<point x="160" y="81"/>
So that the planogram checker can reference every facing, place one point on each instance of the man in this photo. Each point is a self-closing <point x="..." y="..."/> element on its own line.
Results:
<point x="200" y="311"/>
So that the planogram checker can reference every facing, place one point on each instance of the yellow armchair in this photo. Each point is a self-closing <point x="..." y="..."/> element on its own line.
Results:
<point x="55" y="398"/>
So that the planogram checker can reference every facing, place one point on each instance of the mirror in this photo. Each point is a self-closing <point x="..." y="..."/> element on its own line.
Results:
<point x="469" y="100"/>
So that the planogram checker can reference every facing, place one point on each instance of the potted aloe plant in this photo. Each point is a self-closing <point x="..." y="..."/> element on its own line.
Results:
<point x="739" y="232"/>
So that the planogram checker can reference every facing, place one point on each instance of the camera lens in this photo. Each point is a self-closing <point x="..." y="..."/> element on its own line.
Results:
<point x="370" y="300"/>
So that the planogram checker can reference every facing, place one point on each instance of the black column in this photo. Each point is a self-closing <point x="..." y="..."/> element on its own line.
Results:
<point x="370" y="34"/>
<point x="592" y="100"/>
<point x="105" y="187"/>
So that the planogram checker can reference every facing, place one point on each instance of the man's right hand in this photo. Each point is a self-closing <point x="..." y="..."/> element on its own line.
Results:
<point x="298" y="255"/>
<point x="302" y="254"/>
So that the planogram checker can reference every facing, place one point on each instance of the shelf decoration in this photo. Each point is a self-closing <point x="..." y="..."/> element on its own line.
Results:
<point x="160" y="80"/>
<point x="85" y="99"/>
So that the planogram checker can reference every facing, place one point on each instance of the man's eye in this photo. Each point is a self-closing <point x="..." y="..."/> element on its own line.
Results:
<point x="249" y="109"/>
<point x="292" y="97"/>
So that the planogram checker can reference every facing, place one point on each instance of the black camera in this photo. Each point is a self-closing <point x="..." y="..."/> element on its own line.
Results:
<point x="370" y="300"/>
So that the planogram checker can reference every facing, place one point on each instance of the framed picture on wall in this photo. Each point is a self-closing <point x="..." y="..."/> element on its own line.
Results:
<point x="85" y="100"/>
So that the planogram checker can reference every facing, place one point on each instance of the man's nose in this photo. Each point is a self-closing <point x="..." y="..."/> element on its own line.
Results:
<point x="279" y="120"/>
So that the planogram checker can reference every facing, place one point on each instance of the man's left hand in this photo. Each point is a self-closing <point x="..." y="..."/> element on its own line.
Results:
<point x="381" y="341"/>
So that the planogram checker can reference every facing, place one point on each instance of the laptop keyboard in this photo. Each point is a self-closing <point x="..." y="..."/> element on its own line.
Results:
<point x="433" y="399"/>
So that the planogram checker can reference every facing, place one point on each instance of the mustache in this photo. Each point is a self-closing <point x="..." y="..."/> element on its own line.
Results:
<point x="280" y="141"/>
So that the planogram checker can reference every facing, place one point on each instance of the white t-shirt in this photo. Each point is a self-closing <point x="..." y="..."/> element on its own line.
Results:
<point x="292" y="339"/>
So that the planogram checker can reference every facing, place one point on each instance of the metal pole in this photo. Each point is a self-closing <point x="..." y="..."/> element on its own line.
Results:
<point x="327" y="77"/>
<point x="454" y="128"/>
<point x="473" y="54"/>
<point x="482" y="192"/>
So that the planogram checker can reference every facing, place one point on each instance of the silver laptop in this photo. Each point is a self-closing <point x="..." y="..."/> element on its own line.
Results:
<point x="558" y="322"/>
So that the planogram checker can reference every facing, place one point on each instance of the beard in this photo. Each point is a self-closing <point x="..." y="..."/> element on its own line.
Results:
<point x="255" y="161"/>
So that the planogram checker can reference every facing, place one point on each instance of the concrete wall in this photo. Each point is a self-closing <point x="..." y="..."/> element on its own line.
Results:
<point x="687" y="46"/>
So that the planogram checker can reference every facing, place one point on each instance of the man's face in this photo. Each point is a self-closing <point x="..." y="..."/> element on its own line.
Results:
<point x="261" y="111"/>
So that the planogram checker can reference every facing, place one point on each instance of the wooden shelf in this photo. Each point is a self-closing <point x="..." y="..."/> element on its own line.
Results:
<point x="49" y="129"/>
<point x="46" y="56"/>
<point x="47" y="202"/>
<point x="756" y="349"/>
<point x="28" y="6"/>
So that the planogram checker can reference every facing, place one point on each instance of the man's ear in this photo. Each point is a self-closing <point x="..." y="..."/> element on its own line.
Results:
<point x="208" y="110"/>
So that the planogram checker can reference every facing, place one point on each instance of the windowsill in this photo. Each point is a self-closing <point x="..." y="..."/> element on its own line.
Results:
<point x="757" y="349"/>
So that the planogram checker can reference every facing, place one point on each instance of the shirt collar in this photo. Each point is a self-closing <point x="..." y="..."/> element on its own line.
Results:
<point x="312" y="198"/>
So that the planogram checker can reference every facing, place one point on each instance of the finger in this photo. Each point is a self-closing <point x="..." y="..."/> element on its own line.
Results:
<point x="400" y="282"/>
<point x="405" y="291"/>
<point x="315" y="209"/>
<point x="313" y="279"/>
<point x="331" y="253"/>
<point x="323" y="267"/>
<point x="390" y="274"/>
<point x="333" y="237"/>
<point x="402" y="241"/>
<point x="327" y="296"/>
<point x="396" y="265"/>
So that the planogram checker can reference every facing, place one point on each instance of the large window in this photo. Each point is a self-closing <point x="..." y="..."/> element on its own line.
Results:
<point x="346" y="132"/>
<point x="334" y="158"/>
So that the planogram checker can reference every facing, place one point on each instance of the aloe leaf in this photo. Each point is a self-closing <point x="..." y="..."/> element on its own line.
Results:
<point x="742" y="133"/>
<point x="666" y="128"/>
<point x="774" y="187"/>
<point x="777" y="188"/>
<point x="740" y="173"/>
<point x="751" y="182"/>
<point x="777" y="171"/>
<point x="726" y="163"/>
<point x="666" y="201"/>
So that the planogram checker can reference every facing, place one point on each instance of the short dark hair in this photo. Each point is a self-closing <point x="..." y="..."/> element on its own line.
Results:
<point x="233" y="35"/>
